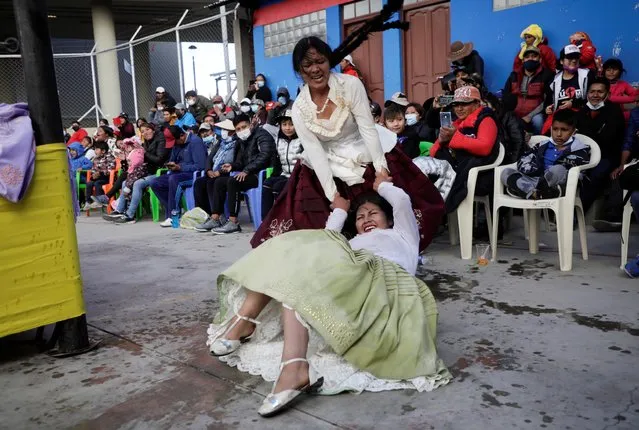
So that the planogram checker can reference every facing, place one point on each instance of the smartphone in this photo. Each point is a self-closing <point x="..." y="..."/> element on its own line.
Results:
<point x="446" y="99"/>
<point x="446" y="119"/>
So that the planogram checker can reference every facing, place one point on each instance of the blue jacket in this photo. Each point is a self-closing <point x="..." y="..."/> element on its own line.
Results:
<point x="80" y="161"/>
<point x="191" y="156"/>
<point x="631" y="142"/>
<point x="187" y="120"/>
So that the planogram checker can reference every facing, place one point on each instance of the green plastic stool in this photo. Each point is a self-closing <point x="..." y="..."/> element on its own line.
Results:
<point x="424" y="148"/>
<point x="153" y="199"/>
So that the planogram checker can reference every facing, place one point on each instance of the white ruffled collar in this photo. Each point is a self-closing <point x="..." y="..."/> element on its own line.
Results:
<point x="336" y="94"/>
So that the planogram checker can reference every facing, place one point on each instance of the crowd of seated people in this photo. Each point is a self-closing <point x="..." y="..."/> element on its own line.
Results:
<point x="554" y="94"/>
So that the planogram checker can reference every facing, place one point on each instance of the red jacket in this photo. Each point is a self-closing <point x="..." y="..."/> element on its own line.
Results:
<point x="77" y="136"/>
<point x="480" y="145"/>
<point x="588" y="54"/>
<point x="349" y="70"/>
<point x="621" y="92"/>
<point x="548" y="58"/>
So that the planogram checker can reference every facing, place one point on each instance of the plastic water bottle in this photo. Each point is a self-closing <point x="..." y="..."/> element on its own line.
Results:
<point x="175" y="218"/>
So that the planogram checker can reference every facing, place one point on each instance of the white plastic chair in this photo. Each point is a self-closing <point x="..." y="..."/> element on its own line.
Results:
<point x="625" y="227"/>
<point x="564" y="208"/>
<point x="460" y="222"/>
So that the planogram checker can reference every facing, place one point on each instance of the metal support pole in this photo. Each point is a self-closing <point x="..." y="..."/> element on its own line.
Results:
<point x="179" y="54"/>
<point x="194" y="78"/>
<point x="44" y="110"/>
<point x="135" y="91"/>
<point x="225" y="45"/>
<point x="95" y="87"/>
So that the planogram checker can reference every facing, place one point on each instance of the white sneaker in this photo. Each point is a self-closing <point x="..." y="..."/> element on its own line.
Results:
<point x="166" y="223"/>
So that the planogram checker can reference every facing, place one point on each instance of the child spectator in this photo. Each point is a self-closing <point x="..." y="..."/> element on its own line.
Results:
<point x="78" y="160"/>
<point x="136" y="170"/>
<point x="126" y="128"/>
<point x="415" y="114"/>
<point x="290" y="150"/>
<point x="621" y="92"/>
<point x="103" y="163"/>
<point x="254" y="152"/>
<point x="588" y="51"/>
<point x="407" y="139"/>
<point x="543" y="171"/>
<point x="78" y="133"/>
<point x="568" y="88"/>
<point x="87" y="143"/>
<point x="528" y="84"/>
<point x="376" y="111"/>
<point x="534" y="38"/>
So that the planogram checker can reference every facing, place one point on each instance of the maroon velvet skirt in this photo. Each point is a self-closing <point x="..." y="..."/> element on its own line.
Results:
<point x="303" y="205"/>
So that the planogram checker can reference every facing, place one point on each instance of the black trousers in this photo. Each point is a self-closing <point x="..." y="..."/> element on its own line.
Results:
<point x="226" y="185"/>
<point x="97" y="185"/>
<point x="117" y="184"/>
<point x="271" y="189"/>
<point x="203" y="193"/>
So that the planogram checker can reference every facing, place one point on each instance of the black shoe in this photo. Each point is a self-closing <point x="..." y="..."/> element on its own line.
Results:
<point x="112" y="216"/>
<point x="515" y="192"/>
<point x="606" y="226"/>
<point x="551" y="192"/>
<point x="125" y="220"/>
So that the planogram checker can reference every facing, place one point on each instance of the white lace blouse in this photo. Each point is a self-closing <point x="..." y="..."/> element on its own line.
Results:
<point x="399" y="244"/>
<point x="343" y="145"/>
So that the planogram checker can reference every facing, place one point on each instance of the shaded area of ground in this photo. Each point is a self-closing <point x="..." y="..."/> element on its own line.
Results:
<point x="530" y="347"/>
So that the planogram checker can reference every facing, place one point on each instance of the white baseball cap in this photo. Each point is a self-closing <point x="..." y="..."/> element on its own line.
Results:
<point x="571" y="50"/>
<point x="349" y="58"/>
<point x="160" y="90"/>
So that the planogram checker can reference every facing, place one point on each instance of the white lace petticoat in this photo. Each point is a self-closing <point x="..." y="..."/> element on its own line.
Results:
<point x="262" y="356"/>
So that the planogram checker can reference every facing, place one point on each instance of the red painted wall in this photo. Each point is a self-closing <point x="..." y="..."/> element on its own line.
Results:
<point x="290" y="9"/>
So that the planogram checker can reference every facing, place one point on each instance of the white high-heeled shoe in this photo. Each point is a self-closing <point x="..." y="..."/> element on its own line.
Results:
<point x="222" y="346"/>
<point x="277" y="402"/>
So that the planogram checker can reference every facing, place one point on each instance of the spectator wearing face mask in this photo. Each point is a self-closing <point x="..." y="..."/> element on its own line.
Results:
<point x="280" y="107"/>
<point x="78" y="133"/>
<point x="245" y="107"/>
<point x="259" y="113"/>
<point x="155" y="115"/>
<point x="395" y="121"/>
<point x="207" y="134"/>
<point x="184" y="118"/>
<point x="259" y="90"/>
<point x="415" y="122"/>
<point x="220" y="111"/>
<point x="198" y="104"/>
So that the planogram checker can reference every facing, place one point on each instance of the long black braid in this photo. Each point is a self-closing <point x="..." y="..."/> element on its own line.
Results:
<point x="376" y="24"/>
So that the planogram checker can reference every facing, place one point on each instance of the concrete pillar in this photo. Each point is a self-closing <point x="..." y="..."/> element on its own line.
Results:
<point x="106" y="62"/>
<point x="243" y="39"/>
<point x="143" y="83"/>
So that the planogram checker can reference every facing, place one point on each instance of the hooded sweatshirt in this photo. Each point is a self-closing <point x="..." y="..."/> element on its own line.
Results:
<point x="548" y="57"/>
<point x="275" y="113"/>
<point x="80" y="162"/>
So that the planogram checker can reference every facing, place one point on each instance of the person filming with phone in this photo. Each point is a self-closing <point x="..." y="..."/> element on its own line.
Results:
<point x="469" y="141"/>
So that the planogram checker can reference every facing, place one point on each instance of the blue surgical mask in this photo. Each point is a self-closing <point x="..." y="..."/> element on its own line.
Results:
<point x="411" y="118"/>
<point x="282" y="100"/>
<point x="208" y="139"/>
<point x="225" y="134"/>
<point x="255" y="108"/>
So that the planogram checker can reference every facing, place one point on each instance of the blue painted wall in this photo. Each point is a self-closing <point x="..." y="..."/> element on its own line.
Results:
<point x="613" y="27"/>
<point x="393" y="61"/>
<point x="279" y="70"/>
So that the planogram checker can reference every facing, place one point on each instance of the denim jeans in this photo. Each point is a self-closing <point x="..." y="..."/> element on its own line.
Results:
<point x="136" y="195"/>
<point x="537" y="123"/>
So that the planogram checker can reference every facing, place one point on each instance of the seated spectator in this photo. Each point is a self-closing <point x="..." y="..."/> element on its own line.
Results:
<point x="78" y="133"/>
<point x="259" y="90"/>
<point x="168" y="117"/>
<point x="245" y="107"/>
<point x="105" y="134"/>
<point x="604" y="123"/>
<point x="184" y="118"/>
<point x="155" y="155"/>
<point x="156" y="114"/>
<point x="534" y="38"/>
<point x="100" y="173"/>
<point x="198" y="104"/>
<point x="223" y="153"/>
<point x="207" y="134"/>
<point x="164" y="97"/>
<point x="542" y="172"/>
<point x="87" y="143"/>
<point x="104" y="123"/>
<point x="464" y="55"/>
<point x="348" y="67"/>
<point x="630" y="148"/>
<point x="376" y="111"/>
<point x="220" y="111"/>
<point x="290" y="150"/>
<point x="399" y="99"/>
<point x="126" y="128"/>
<point x="415" y="120"/>
<point x="407" y="139"/>
<point x="136" y="172"/>
<point x="569" y="87"/>
<point x="187" y="156"/>
<point x="254" y="152"/>
<point x="280" y="107"/>
<point x="78" y="160"/>
<point x="588" y="51"/>
<point x="209" y="119"/>
<point x="621" y="92"/>
<point x="512" y="133"/>
<point x="470" y="142"/>
<point x="528" y="84"/>
<point x="259" y="113"/>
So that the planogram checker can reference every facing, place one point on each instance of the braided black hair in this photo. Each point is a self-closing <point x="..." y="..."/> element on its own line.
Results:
<point x="353" y="41"/>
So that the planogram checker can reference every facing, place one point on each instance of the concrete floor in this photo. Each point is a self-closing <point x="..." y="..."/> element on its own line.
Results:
<point x="530" y="347"/>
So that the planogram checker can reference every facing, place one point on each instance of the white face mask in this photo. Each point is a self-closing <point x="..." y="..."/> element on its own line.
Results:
<point x="225" y="134"/>
<point x="411" y="118"/>
<point x="255" y="108"/>
<point x="244" y="134"/>
<point x="259" y="84"/>
<point x="595" y="107"/>
<point x="220" y="106"/>
<point x="160" y="108"/>
<point x="245" y="109"/>
<point x="190" y="102"/>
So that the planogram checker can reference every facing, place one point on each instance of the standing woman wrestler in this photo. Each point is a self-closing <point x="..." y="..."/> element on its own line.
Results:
<point x="342" y="148"/>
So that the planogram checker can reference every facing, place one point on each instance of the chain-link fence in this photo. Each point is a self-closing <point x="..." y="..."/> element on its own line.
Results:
<point x="195" y="51"/>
